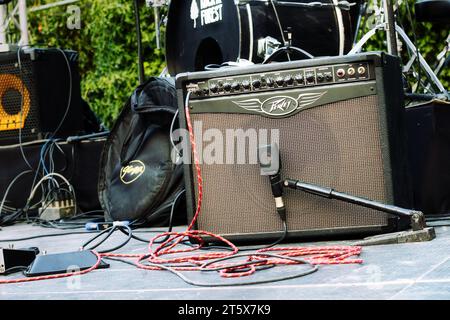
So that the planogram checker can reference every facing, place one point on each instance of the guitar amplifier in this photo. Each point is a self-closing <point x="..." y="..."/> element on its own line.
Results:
<point x="35" y="88"/>
<point x="339" y="123"/>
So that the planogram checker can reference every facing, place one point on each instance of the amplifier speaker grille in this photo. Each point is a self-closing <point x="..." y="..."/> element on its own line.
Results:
<point x="39" y="87"/>
<point x="18" y="93"/>
<point x="338" y="145"/>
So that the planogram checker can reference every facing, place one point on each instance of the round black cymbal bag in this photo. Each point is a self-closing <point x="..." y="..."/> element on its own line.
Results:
<point x="138" y="179"/>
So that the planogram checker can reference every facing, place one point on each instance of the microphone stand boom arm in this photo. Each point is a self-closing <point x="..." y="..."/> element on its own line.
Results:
<point x="419" y="232"/>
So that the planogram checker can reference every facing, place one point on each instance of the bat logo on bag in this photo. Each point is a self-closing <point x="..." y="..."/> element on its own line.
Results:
<point x="132" y="171"/>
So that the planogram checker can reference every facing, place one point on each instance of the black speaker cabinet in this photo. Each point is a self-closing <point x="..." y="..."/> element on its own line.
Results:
<point x="35" y="89"/>
<point x="340" y="124"/>
<point x="429" y="154"/>
<point x="76" y="161"/>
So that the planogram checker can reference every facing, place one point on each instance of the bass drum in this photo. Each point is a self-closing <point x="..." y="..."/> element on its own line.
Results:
<point x="202" y="32"/>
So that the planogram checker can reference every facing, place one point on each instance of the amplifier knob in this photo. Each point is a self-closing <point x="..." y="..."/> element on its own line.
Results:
<point x="227" y="86"/>
<point x="289" y="80"/>
<point x="361" y="70"/>
<point x="236" y="86"/>
<point x="299" y="78"/>
<point x="279" y="81"/>
<point x="320" y="77"/>
<point x="269" y="82"/>
<point x="214" y="88"/>
<point x="351" y="71"/>
<point x="246" y="84"/>
<point x="256" y="83"/>
<point x="310" y="77"/>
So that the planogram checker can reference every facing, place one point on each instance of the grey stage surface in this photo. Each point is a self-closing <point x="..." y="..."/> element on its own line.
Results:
<point x="406" y="271"/>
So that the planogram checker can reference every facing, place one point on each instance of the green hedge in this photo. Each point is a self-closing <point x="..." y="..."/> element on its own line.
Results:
<point x="107" y="46"/>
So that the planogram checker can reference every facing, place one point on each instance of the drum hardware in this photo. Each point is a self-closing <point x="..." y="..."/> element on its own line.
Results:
<point x="137" y="20"/>
<point x="157" y="4"/>
<point x="251" y="29"/>
<point x="442" y="58"/>
<point x="289" y="50"/>
<point x="385" y="21"/>
<point x="434" y="11"/>
<point x="238" y="63"/>
<point x="343" y="5"/>
<point x="362" y="12"/>
<point x="266" y="46"/>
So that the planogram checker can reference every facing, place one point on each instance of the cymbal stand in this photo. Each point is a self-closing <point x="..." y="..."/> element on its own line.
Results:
<point x="386" y="22"/>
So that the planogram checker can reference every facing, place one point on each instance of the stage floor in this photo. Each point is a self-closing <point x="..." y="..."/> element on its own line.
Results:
<point x="401" y="271"/>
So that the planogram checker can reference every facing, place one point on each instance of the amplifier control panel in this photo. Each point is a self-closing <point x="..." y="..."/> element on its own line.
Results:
<point x="283" y="79"/>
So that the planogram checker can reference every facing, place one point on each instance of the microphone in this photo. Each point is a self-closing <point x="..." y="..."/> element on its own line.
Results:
<point x="270" y="163"/>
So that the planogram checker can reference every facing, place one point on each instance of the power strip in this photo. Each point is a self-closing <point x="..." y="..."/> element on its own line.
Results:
<point x="60" y="208"/>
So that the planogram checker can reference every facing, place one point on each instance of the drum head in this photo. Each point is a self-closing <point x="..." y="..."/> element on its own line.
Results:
<point x="324" y="31"/>
<point x="201" y="32"/>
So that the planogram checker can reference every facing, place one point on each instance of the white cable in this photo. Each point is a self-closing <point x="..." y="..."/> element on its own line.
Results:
<point x="340" y="22"/>
<point x="47" y="177"/>
<point x="250" y="28"/>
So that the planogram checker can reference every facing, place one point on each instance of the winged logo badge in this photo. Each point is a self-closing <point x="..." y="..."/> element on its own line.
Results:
<point x="280" y="105"/>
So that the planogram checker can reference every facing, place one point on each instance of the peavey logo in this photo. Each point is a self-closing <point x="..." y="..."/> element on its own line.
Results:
<point x="280" y="105"/>
<point x="132" y="171"/>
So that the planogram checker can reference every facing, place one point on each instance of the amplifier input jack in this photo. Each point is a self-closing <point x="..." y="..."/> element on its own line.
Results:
<point x="340" y="73"/>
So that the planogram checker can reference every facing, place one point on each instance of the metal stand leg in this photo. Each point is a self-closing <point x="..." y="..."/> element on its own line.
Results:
<point x="3" y="27"/>
<point x="431" y="75"/>
<point x="139" y="42"/>
<point x="429" y="72"/>
<point x="442" y="57"/>
<point x="24" y="40"/>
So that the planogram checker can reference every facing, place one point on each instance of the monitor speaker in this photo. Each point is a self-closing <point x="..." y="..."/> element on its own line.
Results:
<point x="39" y="95"/>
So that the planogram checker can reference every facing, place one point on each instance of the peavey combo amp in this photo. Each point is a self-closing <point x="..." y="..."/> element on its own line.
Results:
<point x="35" y="88"/>
<point x="338" y="123"/>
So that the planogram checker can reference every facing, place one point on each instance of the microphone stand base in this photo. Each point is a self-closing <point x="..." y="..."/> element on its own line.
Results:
<point x="426" y="234"/>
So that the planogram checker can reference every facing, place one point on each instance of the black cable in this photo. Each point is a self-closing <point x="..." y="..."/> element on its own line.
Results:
<point x="25" y="209"/>
<point x="172" y="141"/>
<point x="15" y="269"/>
<point x="85" y="214"/>
<point x="203" y="269"/>
<point x="172" y="212"/>
<point x="47" y="236"/>
<point x="109" y="232"/>
<point x="69" y="103"/>
<point x="139" y="42"/>
<point x="8" y="189"/>
<point x="21" y="108"/>
<point x="278" y="51"/>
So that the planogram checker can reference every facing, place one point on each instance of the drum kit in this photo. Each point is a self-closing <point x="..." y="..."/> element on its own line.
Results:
<point x="212" y="32"/>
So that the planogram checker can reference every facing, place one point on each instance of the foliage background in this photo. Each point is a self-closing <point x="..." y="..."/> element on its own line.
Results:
<point x="107" y="46"/>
